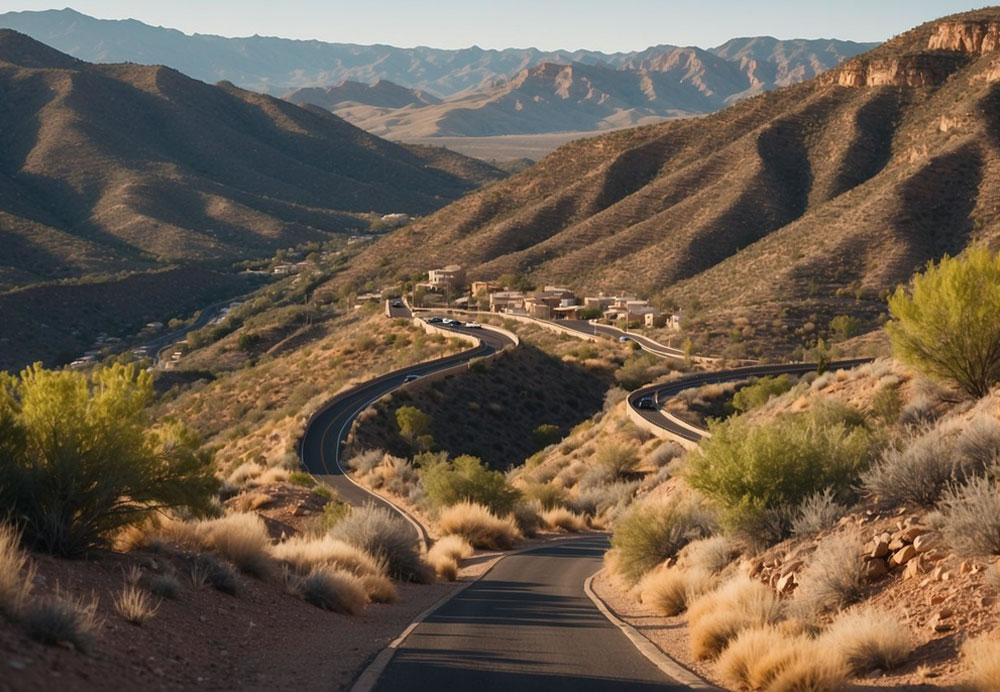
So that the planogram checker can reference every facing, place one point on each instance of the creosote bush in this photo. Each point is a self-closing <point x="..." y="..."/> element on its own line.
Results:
<point x="467" y="479"/>
<point x="82" y="460"/>
<point x="760" y="392"/>
<point x="651" y="532"/>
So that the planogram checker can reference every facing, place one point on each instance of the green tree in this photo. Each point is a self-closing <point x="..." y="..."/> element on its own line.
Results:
<point x="413" y="423"/>
<point x="845" y="327"/>
<point x="946" y="324"/>
<point x="80" y="460"/>
<point x="757" y="394"/>
<point x="467" y="478"/>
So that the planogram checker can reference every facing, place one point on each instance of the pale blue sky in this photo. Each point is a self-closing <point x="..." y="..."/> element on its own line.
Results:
<point x="607" y="25"/>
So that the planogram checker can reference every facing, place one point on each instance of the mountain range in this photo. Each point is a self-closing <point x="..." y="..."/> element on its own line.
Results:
<point x="784" y="209"/>
<point x="129" y="168"/>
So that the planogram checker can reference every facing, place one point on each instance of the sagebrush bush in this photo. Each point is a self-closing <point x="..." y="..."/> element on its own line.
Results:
<point x="869" y="640"/>
<point x="818" y="512"/>
<point x="749" y="470"/>
<point x="650" y="532"/>
<point x="833" y="577"/>
<point x="334" y="590"/>
<point x="710" y="555"/>
<point x="165" y="586"/>
<point x="617" y="460"/>
<point x="241" y="538"/>
<point x="597" y="500"/>
<point x="665" y="453"/>
<point x="365" y="462"/>
<point x="545" y="494"/>
<point x="527" y="518"/>
<point x="919" y="473"/>
<point x="982" y="660"/>
<point x="62" y="618"/>
<point x="467" y="479"/>
<point x="16" y="572"/>
<point x="386" y="537"/>
<point x="972" y="517"/>
<point x="82" y="460"/>
<point x="479" y="526"/>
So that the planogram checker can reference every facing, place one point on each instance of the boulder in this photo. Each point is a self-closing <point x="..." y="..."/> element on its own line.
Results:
<point x="902" y="556"/>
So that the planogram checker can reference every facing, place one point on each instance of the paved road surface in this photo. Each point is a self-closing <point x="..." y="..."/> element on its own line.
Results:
<point x="585" y="327"/>
<point x="660" y="393"/>
<point x="528" y="625"/>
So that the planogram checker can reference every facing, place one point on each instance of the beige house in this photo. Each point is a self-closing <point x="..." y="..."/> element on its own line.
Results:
<point x="452" y="276"/>
<point x="507" y="301"/>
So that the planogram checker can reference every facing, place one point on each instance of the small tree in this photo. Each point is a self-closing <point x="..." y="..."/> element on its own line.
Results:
<point x="79" y="459"/>
<point x="546" y="434"/>
<point x="413" y="423"/>
<point x="946" y="324"/>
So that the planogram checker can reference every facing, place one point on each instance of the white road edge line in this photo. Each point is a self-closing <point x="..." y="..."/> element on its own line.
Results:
<point x="645" y="647"/>
<point x="366" y="681"/>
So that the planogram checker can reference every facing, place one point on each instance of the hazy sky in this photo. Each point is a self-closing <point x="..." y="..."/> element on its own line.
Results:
<point x="608" y="25"/>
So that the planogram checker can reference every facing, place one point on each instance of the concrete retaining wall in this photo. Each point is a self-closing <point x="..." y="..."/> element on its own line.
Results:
<point x="656" y="430"/>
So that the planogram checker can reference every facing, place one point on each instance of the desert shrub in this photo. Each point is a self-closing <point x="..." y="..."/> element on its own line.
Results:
<point x="665" y="453"/>
<point x="639" y="369"/>
<point x="710" y="555"/>
<point x="613" y="397"/>
<point x="982" y="658"/>
<point x="919" y="473"/>
<point x="752" y="470"/>
<point x="668" y="591"/>
<point x="718" y="617"/>
<point x="651" y="532"/>
<point x="134" y="605"/>
<point x="565" y="519"/>
<point x="446" y="554"/>
<point x="527" y="518"/>
<point x="596" y="500"/>
<point x="818" y="512"/>
<point x="334" y="590"/>
<point x="887" y="405"/>
<point x="834" y="577"/>
<point x="333" y="513"/>
<point x="398" y="475"/>
<point x="305" y="554"/>
<point x="445" y="567"/>
<point x="61" y="618"/>
<point x="757" y="394"/>
<point x="868" y="640"/>
<point x="220" y="575"/>
<point x="467" y="479"/>
<point x="413" y="423"/>
<point x="386" y="537"/>
<point x="16" y="572"/>
<point x="365" y="462"/>
<point x="816" y="672"/>
<point x="165" y="586"/>
<point x="545" y="435"/>
<point x="302" y="478"/>
<point x="545" y="494"/>
<point x="972" y="517"/>
<point x="945" y="324"/>
<point x="82" y="460"/>
<point x="617" y="460"/>
<point x="748" y="648"/>
<point x="240" y="538"/>
<point x="479" y="526"/>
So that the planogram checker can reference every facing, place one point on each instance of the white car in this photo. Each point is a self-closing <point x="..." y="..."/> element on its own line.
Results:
<point x="473" y="325"/>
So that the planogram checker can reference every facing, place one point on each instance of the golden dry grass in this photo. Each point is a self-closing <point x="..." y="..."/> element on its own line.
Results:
<point x="379" y="588"/>
<point x="304" y="554"/>
<point x="814" y="670"/>
<point x="455" y="546"/>
<point x="446" y="554"/>
<point x="719" y="616"/>
<point x="134" y="605"/>
<point x="16" y="572"/>
<point x="479" y="526"/>
<point x="565" y="519"/>
<point x="867" y="639"/>
<point x="333" y="589"/>
<point x="668" y="591"/>
<point x="982" y="661"/>
<point x="240" y="537"/>
<point x="444" y="566"/>
<point x="746" y="651"/>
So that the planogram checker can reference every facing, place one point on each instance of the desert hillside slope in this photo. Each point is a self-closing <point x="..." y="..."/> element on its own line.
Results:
<point x="110" y="167"/>
<point x="815" y="197"/>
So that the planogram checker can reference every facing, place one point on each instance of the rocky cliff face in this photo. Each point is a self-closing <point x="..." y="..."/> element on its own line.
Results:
<point x="949" y="46"/>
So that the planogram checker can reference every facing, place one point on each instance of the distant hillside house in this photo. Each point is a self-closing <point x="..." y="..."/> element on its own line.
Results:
<point x="507" y="301"/>
<point x="452" y="276"/>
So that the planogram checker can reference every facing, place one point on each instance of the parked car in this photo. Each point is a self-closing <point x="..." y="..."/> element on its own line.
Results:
<point x="436" y="320"/>
<point x="397" y="304"/>
<point x="473" y="325"/>
<point x="410" y="378"/>
<point x="624" y="339"/>
<point x="647" y="402"/>
<point x="448" y="322"/>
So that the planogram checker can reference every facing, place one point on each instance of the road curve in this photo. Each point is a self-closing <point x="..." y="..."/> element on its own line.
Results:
<point x="647" y="344"/>
<point x="527" y="625"/>
<point x="319" y="449"/>
<point x="661" y="392"/>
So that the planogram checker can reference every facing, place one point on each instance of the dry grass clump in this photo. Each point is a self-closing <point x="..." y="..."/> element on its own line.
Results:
<point x="982" y="657"/>
<point x="245" y="473"/>
<point x="773" y="658"/>
<point x="134" y="605"/>
<point x="165" y="586"/>
<point x="241" y="538"/>
<point x="386" y="537"/>
<point x="16" y="572"/>
<point x="455" y="547"/>
<point x="62" y="618"/>
<point x="565" y="519"/>
<point x="972" y="517"/>
<point x="868" y="640"/>
<point x="251" y="501"/>
<point x="833" y="578"/>
<point x="709" y="555"/>
<point x="208" y="569"/>
<point x="719" y="616"/>
<point x="668" y="591"/>
<point x="445" y="566"/>
<point x="380" y="588"/>
<point x="303" y="554"/>
<point x="479" y="526"/>
<point x="333" y="589"/>
<point x="651" y="532"/>
<point x="815" y="671"/>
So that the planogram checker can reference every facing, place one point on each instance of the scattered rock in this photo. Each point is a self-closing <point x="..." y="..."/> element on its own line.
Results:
<point x="786" y="584"/>
<point x="876" y="569"/>
<point x="902" y="556"/>
<point x="896" y="544"/>
<point x="880" y="548"/>
<point x="925" y="542"/>
<point x="911" y="532"/>
<point x="914" y="567"/>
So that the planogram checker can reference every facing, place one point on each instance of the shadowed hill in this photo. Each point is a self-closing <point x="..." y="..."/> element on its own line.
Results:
<point x="816" y="197"/>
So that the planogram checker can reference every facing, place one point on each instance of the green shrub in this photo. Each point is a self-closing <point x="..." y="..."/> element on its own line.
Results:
<point x="757" y="394"/>
<point x="545" y="494"/>
<point x="755" y="473"/>
<point x="617" y="460"/>
<point x="546" y="434"/>
<point x="946" y="324"/>
<point x="413" y="423"/>
<point x="302" y="478"/>
<point x="887" y="404"/>
<point x="81" y="459"/>
<point x="467" y="479"/>
<point x="651" y="532"/>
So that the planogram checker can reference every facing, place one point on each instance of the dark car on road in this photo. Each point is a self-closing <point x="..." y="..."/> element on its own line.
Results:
<point x="397" y="304"/>
<point x="434" y="320"/>
<point x="647" y="402"/>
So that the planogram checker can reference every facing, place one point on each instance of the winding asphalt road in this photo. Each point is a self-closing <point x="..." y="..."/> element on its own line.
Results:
<point x="528" y="625"/>
<point x="320" y="448"/>
<point x="661" y="392"/>
<point x="588" y="328"/>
